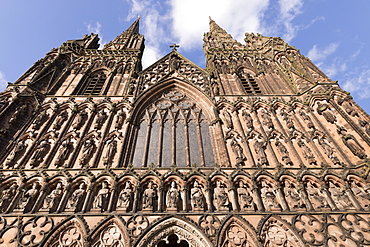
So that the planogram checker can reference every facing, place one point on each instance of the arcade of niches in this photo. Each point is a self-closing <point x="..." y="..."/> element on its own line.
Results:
<point x="259" y="149"/>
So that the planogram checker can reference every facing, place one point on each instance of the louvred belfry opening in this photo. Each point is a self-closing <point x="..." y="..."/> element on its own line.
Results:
<point x="173" y="130"/>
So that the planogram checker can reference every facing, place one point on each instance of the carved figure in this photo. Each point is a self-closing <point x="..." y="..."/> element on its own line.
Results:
<point x="276" y="237"/>
<point x="197" y="197"/>
<point x="259" y="148"/>
<point x="283" y="151"/>
<point x="366" y="126"/>
<point x="288" y="120"/>
<point x="7" y="196"/>
<point x="18" y="113"/>
<point x="324" y="110"/>
<point x="64" y="152"/>
<point x="307" y="153"/>
<point x="292" y="196"/>
<point x="244" y="198"/>
<point x="247" y="119"/>
<point x="102" y="198"/>
<point x="28" y="197"/>
<point x="351" y="142"/>
<point x="307" y="119"/>
<point x="52" y="200"/>
<point x="100" y="120"/>
<point x="121" y="117"/>
<point x="227" y="119"/>
<point x="149" y="196"/>
<point x="111" y="150"/>
<point x="80" y="120"/>
<point x="39" y="120"/>
<point x="268" y="197"/>
<point x="347" y="106"/>
<point x="125" y="196"/>
<point x="172" y="196"/>
<point x="266" y="119"/>
<point x="88" y="151"/>
<point x="220" y="197"/>
<point x="236" y="148"/>
<point x="318" y="201"/>
<point x="17" y="153"/>
<point x="328" y="150"/>
<point x="339" y="196"/>
<point x="77" y="197"/>
<point x="40" y="152"/>
<point x="63" y="116"/>
<point x="362" y="196"/>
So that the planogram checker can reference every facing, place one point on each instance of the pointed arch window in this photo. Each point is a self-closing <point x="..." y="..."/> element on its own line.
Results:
<point x="173" y="131"/>
<point x="93" y="85"/>
<point x="249" y="83"/>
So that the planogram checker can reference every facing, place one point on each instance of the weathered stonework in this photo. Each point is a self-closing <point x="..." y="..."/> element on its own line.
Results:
<point x="258" y="149"/>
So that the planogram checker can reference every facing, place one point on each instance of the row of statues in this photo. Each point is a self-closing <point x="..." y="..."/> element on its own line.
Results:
<point x="266" y="196"/>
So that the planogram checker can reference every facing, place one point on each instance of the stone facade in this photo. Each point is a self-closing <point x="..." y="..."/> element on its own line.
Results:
<point x="259" y="149"/>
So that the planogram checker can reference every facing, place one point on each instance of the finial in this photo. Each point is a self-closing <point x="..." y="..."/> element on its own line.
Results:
<point x="174" y="46"/>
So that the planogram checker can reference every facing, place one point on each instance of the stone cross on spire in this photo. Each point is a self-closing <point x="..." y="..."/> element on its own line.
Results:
<point x="174" y="47"/>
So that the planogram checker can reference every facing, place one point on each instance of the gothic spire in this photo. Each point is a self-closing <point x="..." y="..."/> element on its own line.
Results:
<point x="129" y="39"/>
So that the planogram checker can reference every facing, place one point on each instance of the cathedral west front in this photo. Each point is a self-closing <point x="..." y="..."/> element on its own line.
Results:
<point x="258" y="149"/>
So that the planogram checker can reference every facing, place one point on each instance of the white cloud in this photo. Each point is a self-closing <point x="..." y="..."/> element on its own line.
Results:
<point x="359" y="84"/>
<point x="316" y="54"/>
<point x="96" y="28"/>
<point x="150" y="56"/>
<point x="289" y="10"/>
<point x="3" y="82"/>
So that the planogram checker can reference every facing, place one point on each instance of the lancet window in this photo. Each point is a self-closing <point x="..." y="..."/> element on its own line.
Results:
<point x="93" y="85"/>
<point x="249" y="83"/>
<point x="173" y="131"/>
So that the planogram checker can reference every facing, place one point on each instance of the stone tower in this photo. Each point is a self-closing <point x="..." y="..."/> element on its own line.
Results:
<point x="259" y="149"/>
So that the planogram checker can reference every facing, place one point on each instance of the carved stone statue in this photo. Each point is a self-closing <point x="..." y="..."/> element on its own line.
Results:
<point x="269" y="197"/>
<point x="307" y="153"/>
<point x="292" y="196"/>
<point x="7" y="196"/>
<point x="351" y="142"/>
<point x="17" y="114"/>
<point x="328" y="150"/>
<point x="150" y="196"/>
<point x="317" y="200"/>
<point x="41" y="151"/>
<point x="324" y="110"/>
<point x="362" y="195"/>
<point x="283" y="151"/>
<point x="227" y="119"/>
<point x="125" y="196"/>
<point x="39" y="120"/>
<point x="266" y="119"/>
<point x="63" y="116"/>
<point x="88" y="151"/>
<point x="102" y="197"/>
<point x="259" y="148"/>
<point x="121" y="117"/>
<point x="111" y="150"/>
<point x="52" y="200"/>
<point x="172" y="196"/>
<point x="17" y="153"/>
<point x="339" y="196"/>
<point x="244" y="198"/>
<point x="28" y="197"/>
<point x="235" y="146"/>
<point x="77" y="198"/>
<point x="100" y="120"/>
<point x="307" y="119"/>
<point x="197" y="197"/>
<point x="347" y="106"/>
<point x="80" y="120"/>
<point x="366" y="126"/>
<point x="220" y="197"/>
<point x="64" y="152"/>
<point x="287" y="119"/>
<point x="247" y="119"/>
<point x="276" y="237"/>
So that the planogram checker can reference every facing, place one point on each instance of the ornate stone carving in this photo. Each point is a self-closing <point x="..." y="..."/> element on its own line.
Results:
<point x="7" y="196"/>
<point x="328" y="150"/>
<point x="111" y="147"/>
<point x="197" y="197"/>
<point x="41" y="151"/>
<point x="247" y="119"/>
<point x="39" y="120"/>
<point x="28" y="198"/>
<point x="126" y="196"/>
<point x="16" y="153"/>
<point x="266" y="119"/>
<point x="351" y="142"/>
<point x="210" y="224"/>
<point x="88" y="151"/>
<point x="292" y="196"/>
<point x="65" y="150"/>
<point x="35" y="230"/>
<point x="361" y="194"/>
<point x="259" y="148"/>
<point x="80" y="120"/>
<point x="244" y="198"/>
<point x="339" y="195"/>
<point x="220" y="197"/>
<point x="227" y="119"/>
<point x="172" y="196"/>
<point x="77" y="198"/>
<point x="137" y="224"/>
<point x="235" y="236"/>
<point x="61" y="118"/>
<point x="100" y="119"/>
<point x="283" y="151"/>
<point x="307" y="153"/>
<point x="307" y="119"/>
<point x="121" y="117"/>
<point x="324" y="110"/>
<point x="150" y="197"/>
<point x="110" y="236"/>
<point x="102" y="197"/>
<point x="19" y="111"/>
<point x="70" y="237"/>
<point x="317" y="199"/>
<point x="52" y="200"/>
<point x="268" y="196"/>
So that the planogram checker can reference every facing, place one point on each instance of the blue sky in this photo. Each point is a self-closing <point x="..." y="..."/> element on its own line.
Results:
<point x="334" y="34"/>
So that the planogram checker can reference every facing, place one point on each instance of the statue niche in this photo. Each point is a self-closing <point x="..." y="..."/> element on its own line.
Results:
<point x="197" y="197"/>
<point x="269" y="197"/>
<point x="125" y="198"/>
<point x="75" y="202"/>
<point x="293" y="196"/>
<point x="41" y="151"/>
<point x="102" y="197"/>
<point x="65" y="150"/>
<point x="7" y="196"/>
<point x="351" y="142"/>
<point x="220" y="197"/>
<point x="316" y="196"/>
<point x="149" y="200"/>
<point x="173" y="197"/>
<point x="245" y="200"/>
<point x="16" y="154"/>
<point x="52" y="200"/>
<point x="28" y="198"/>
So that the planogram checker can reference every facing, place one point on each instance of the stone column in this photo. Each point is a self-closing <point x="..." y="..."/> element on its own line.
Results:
<point x="184" y="197"/>
<point x="232" y="197"/>
<point x="64" y="199"/>
<point x="113" y="195"/>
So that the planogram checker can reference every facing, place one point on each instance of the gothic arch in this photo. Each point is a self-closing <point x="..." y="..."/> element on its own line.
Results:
<point x="110" y="232"/>
<point x="237" y="232"/>
<point x="179" y="227"/>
